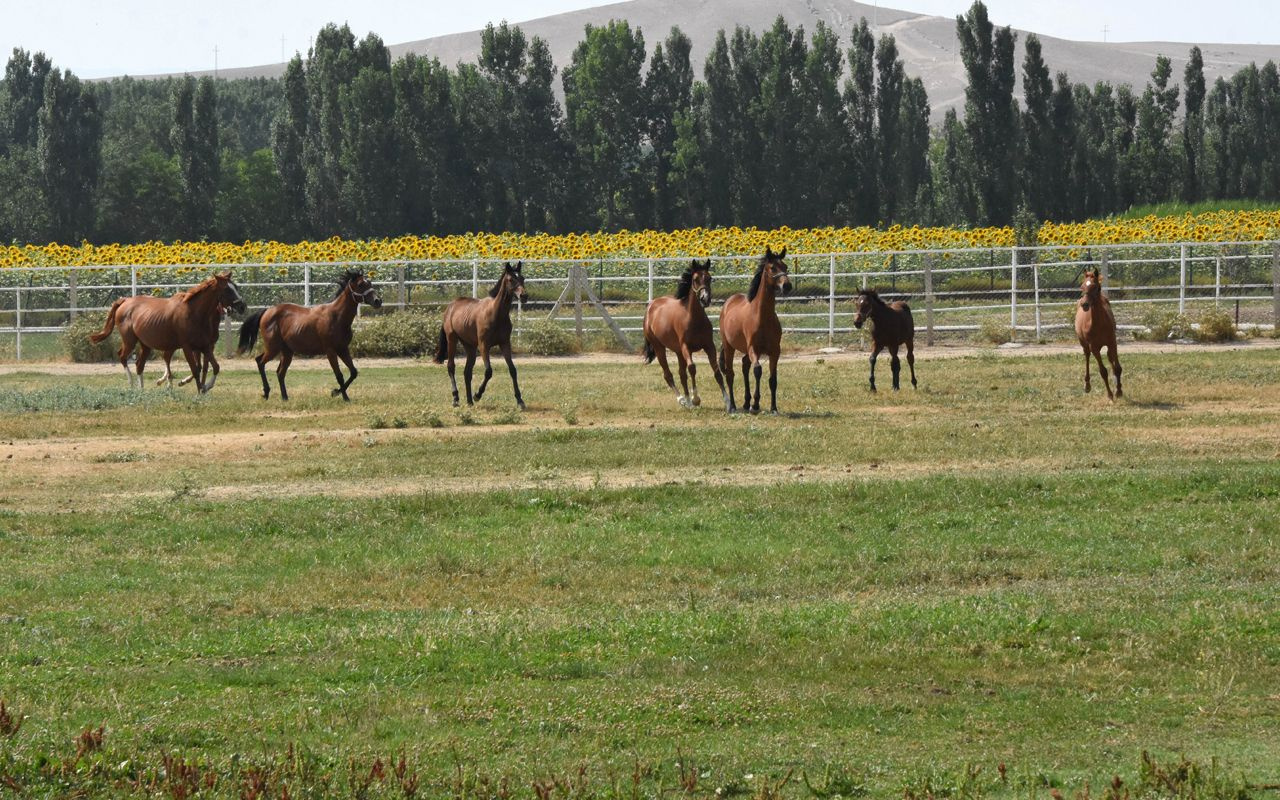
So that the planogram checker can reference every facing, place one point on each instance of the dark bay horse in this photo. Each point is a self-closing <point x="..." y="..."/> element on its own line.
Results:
<point x="749" y="324"/>
<point x="892" y="327"/>
<point x="680" y="324"/>
<point x="480" y="325"/>
<point x="1096" y="328"/>
<point x="187" y="321"/>
<point x="324" y="330"/>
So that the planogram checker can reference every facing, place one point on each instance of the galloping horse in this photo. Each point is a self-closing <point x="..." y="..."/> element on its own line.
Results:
<point x="892" y="328"/>
<point x="749" y="324"/>
<point x="479" y="325"/>
<point x="288" y="330"/>
<point x="680" y="324"/>
<point x="187" y="321"/>
<point x="1096" y="328"/>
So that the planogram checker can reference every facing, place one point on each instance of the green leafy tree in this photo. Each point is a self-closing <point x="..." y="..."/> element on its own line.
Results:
<point x="604" y="99"/>
<point x="1158" y="169"/>
<point x="990" y="112"/>
<point x="1193" y="126"/>
<point x="1037" y="131"/>
<point x="890" y="75"/>
<point x="668" y="87"/>
<point x="860" y="108"/>
<point x="69" y="151"/>
<point x="288" y="140"/>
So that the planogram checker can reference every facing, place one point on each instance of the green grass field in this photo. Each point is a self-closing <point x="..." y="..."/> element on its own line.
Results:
<point x="992" y="586"/>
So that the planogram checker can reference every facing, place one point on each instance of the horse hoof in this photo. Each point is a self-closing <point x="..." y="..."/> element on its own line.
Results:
<point x="335" y="392"/>
<point x="697" y="401"/>
<point x="521" y="406"/>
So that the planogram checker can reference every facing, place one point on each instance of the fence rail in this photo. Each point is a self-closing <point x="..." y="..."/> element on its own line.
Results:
<point x="1028" y="291"/>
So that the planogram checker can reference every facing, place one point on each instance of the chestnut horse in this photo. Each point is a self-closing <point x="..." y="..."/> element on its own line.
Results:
<point x="325" y="330"/>
<point x="1096" y="328"/>
<point x="187" y="321"/>
<point x="681" y="324"/>
<point x="892" y="327"/>
<point x="749" y="325"/>
<point x="480" y="325"/>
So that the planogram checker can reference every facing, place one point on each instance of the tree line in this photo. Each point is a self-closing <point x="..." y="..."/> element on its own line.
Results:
<point x="783" y="128"/>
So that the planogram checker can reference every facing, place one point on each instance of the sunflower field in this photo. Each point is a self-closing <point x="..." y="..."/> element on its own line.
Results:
<point x="1218" y="226"/>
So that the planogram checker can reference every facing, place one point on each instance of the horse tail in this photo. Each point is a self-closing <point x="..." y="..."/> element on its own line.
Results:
<point x="249" y="331"/>
<point x="649" y="355"/>
<point x="442" y="347"/>
<point x="111" y="322"/>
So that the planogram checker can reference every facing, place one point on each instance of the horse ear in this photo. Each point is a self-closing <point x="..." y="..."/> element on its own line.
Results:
<point x="783" y="254"/>
<point x="519" y="265"/>
<point x="768" y="252"/>
<point x="708" y="265"/>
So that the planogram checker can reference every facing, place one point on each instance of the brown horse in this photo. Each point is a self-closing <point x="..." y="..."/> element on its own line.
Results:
<point x="749" y="325"/>
<point x="215" y="323"/>
<point x="892" y="327"/>
<point x="325" y="330"/>
<point x="681" y="324"/>
<point x="187" y="321"/>
<point x="480" y="325"/>
<point x="1096" y="328"/>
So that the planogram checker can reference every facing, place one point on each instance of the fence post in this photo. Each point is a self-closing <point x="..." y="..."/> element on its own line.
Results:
<point x="133" y="280"/>
<point x="1035" y="279"/>
<point x="475" y="278"/>
<point x="1275" y="286"/>
<point x="1217" y="279"/>
<point x="17" y="321"/>
<point x="577" y="276"/>
<point x="306" y="284"/>
<point x="928" y="300"/>
<point x="73" y="293"/>
<point x="404" y="290"/>
<point x="1013" y="293"/>
<point x="1182" y="278"/>
<point x="1105" y="267"/>
<point x="651" y="280"/>
<point x="831" y="301"/>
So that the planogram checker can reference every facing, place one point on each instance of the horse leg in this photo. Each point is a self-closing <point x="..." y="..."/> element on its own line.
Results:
<point x="261" y="359"/>
<point x="746" y="383"/>
<point x="875" y="352"/>
<point x="911" y="361"/>
<point x="684" y="379"/>
<point x="1097" y="354"/>
<point x="143" y="354"/>
<point x="193" y="361"/>
<point x="715" y="370"/>
<point x="210" y="360"/>
<point x="895" y="365"/>
<point x="1114" y="358"/>
<point x="1087" y="367"/>
<point x="332" y="355"/>
<point x="167" y="377"/>
<point x="773" y="383"/>
<point x="286" y="357"/>
<point x="758" y="369"/>
<point x="511" y="368"/>
<point x="468" y="369"/>
<point x="126" y="350"/>
<point x="686" y="357"/>
<point x="344" y="353"/>
<point x="488" y="372"/>
<point x="452" y="344"/>
<point x="725" y="370"/>
<point x="661" y="353"/>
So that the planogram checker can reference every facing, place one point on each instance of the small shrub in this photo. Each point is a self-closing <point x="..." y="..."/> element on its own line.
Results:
<point x="432" y="420"/>
<point x="399" y="422"/>
<point x="1163" y="325"/>
<point x="120" y="457"/>
<point x="993" y="331"/>
<point x="76" y="344"/>
<point x="570" y="415"/>
<point x="509" y="417"/>
<point x="545" y="337"/>
<point x="399" y="334"/>
<point x="376" y="421"/>
<point x="1216" y="325"/>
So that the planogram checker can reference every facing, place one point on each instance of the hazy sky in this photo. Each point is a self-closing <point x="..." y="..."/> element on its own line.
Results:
<point x="97" y="39"/>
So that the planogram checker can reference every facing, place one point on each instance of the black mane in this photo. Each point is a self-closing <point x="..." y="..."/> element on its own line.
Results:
<point x="686" y="285"/>
<point x="505" y="269"/>
<point x="346" y="278"/>
<point x="873" y="296"/>
<point x="755" y="282"/>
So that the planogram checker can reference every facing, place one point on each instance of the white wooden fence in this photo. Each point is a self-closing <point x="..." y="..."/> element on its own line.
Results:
<point x="1032" y="289"/>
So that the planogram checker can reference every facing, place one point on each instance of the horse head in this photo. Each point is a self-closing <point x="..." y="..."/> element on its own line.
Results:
<point x="865" y="302"/>
<point x="230" y="298"/>
<point x="1090" y="289"/>
<point x="515" y="280"/>
<point x="361" y="288"/>
<point x="773" y="270"/>
<point x="696" y="280"/>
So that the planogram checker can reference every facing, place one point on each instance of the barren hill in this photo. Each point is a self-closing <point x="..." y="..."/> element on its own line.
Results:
<point x="927" y="43"/>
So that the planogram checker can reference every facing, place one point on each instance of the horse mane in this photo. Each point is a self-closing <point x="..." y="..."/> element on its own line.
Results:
<point x="497" y="286"/>
<point x="188" y="295"/>
<point x="755" y="281"/>
<point x="685" y="285"/>
<point x="873" y="296"/>
<point x="344" y="280"/>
